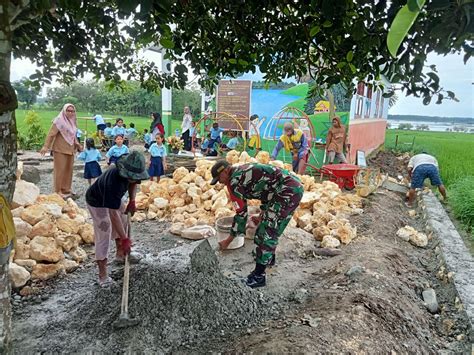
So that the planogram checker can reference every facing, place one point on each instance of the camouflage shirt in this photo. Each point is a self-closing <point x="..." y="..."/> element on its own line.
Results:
<point x="255" y="182"/>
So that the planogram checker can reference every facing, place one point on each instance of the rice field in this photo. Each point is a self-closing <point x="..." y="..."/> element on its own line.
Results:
<point x="454" y="151"/>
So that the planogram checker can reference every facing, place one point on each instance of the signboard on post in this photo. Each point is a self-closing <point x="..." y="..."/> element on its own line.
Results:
<point x="233" y="97"/>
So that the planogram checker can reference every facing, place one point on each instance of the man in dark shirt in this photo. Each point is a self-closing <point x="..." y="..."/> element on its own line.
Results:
<point x="104" y="201"/>
<point x="280" y="194"/>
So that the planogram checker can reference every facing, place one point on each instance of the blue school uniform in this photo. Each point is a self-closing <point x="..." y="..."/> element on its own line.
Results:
<point x="216" y="133"/>
<point x="108" y="131"/>
<point x="91" y="168"/>
<point x="118" y="130"/>
<point x="147" y="138"/>
<point x="157" y="152"/>
<point x="131" y="132"/>
<point x="233" y="143"/>
<point x="116" y="152"/>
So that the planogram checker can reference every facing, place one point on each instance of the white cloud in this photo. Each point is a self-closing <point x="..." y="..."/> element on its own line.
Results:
<point x="454" y="76"/>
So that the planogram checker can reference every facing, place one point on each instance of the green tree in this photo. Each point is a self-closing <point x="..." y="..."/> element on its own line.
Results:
<point x="25" y="93"/>
<point x="35" y="135"/>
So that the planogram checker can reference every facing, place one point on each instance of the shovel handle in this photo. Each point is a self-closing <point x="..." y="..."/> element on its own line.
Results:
<point x="126" y="277"/>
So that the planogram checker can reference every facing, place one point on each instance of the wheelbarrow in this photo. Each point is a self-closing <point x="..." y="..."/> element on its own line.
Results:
<point x="344" y="175"/>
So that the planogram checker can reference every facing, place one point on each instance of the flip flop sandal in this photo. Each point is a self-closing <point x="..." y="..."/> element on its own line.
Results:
<point x="106" y="283"/>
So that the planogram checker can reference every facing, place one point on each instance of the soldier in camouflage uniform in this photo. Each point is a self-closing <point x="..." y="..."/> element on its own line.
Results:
<point x="280" y="194"/>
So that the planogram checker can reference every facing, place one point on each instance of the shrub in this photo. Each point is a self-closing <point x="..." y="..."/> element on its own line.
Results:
<point x="35" y="135"/>
<point x="462" y="200"/>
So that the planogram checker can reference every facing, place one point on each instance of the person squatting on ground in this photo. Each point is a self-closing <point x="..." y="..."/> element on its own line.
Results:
<point x="91" y="156"/>
<point x="108" y="212"/>
<point x="336" y="141"/>
<point x="146" y="139"/>
<point x="157" y="158"/>
<point x="420" y="167"/>
<point x="294" y="141"/>
<point x="117" y="150"/>
<point x="215" y="133"/>
<point x="61" y="139"/>
<point x="280" y="194"/>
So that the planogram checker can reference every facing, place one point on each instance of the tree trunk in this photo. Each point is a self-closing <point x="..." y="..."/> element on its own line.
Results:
<point x="8" y="104"/>
<point x="332" y="111"/>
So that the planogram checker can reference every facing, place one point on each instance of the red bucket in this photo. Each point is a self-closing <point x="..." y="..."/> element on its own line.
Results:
<point x="342" y="174"/>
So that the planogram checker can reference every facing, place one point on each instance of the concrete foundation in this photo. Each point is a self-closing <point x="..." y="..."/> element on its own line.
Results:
<point x="456" y="255"/>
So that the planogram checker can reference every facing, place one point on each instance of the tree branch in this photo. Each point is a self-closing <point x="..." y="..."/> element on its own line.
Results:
<point x="15" y="11"/>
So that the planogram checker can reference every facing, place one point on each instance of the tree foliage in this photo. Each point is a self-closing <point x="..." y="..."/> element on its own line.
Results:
<point x="335" y="41"/>
<point x="26" y="94"/>
<point x="97" y="97"/>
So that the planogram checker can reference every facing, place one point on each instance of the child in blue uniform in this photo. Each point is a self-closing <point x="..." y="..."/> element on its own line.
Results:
<point x="91" y="156"/>
<point x="119" y="128"/>
<point x="131" y="132"/>
<point x="147" y="139"/>
<point x="108" y="130"/>
<point x="158" y="158"/>
<point x="117" y="150"/>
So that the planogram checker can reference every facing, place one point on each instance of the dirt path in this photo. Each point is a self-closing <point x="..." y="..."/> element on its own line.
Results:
<point x="366" y="300"/>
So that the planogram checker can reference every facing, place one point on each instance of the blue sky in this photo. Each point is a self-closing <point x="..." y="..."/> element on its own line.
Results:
<point x="454" y="75"/>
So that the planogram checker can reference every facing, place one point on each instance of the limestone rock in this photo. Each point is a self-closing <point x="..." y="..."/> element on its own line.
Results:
<point x="244" y="157"/>
<point x="19" y="276"/>
<point x="177" y="202"/>
<point x="69" y="265"/>
<point x="53" y="198"/>
<point x="344" y="233"/>
<point x="190" y="222"/>
<point x="405" y="233"/>
<point x="309" y="198"/>
<point x="219" y="202"/>
<point x="67" y="241"/>
<point x="223" y="212"/>
<point x="330" y="242"/>
<point x="33" y="214"/>
<point x="27" y="263"/>
<point x="151" y="215"/>
<point x="177" y="218"/>
<point x="419" y="239"/>
<point x="161" y="203"/>
<point x="412" y="213"/>
<point x="208" y="194"/>
<point x="19" y="170"/>
<point x="22" y="228"/>
<point x="179" y="174"/>
<point x="141" y="201"/>
<point x="45" y="249"/>
<point x="53" y="209"/>
<point x="304" y="220"/>
<point x="189" y="177"/>
<point x="78" y="254"/>
<point x="86" y="231"/>
<point x="263" y="157"/>
<point x="320" y="232"/>
<point x="28" y="291"/>
<point x="194" y="192"/>
<point x="232" y="157"/>
<point x="16" y="212"/>
<point x="22" y="250"/>
<point x="176" y="228"/>
<point x="25" y="194"/>
<point x="139" y="217"/>
<point x="207" y="205"/>
<point x="46" y="228"/>
<point x="68" y="225"/>
<point x="46" y="271"/>
<point x="278" y="164"/>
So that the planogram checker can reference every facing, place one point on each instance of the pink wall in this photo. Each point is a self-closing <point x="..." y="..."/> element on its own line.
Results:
<point x="366" y="135"/>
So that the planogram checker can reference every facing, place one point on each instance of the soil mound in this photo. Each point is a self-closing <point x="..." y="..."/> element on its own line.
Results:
<point x="180" y="297"/>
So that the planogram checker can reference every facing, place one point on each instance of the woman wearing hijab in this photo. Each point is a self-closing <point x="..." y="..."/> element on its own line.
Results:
<point x="61" y="139"/>
<point x="293" y="141"/>
<point x="336" y="141"/>
<point x="156" y="125"/>
<point x="186" y="128"/>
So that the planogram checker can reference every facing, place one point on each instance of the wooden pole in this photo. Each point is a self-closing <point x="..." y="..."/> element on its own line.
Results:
<point x="396" y="141"/>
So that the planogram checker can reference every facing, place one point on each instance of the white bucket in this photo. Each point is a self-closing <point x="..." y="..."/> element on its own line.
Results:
<point x="223" y="226"/>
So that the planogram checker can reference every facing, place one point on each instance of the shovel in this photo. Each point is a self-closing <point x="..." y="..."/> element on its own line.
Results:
<point x="124" y="320"/>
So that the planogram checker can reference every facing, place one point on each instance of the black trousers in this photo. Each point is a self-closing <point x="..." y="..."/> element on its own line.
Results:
<point x="187" y="140"/>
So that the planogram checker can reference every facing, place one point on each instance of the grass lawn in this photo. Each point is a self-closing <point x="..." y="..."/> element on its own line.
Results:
<point x="454" y="151"/>
<point x="84" y="122"/>
<point x="298" y="90"/>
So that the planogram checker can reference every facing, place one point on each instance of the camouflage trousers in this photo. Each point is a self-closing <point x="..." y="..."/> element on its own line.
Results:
<point x="276" y="214"/>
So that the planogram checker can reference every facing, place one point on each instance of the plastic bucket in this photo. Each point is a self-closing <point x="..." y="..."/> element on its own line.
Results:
<point x="223" y="227"/>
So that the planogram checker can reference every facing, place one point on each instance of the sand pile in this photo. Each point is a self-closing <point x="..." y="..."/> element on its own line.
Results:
<point x="180" y="296"/>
